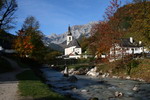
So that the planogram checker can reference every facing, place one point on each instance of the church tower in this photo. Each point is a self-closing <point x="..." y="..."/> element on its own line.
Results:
<point x="69" y="35"/>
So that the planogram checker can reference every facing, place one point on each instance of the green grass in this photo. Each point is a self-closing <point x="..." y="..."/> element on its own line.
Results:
<point x="140" y="69"/>
<point x="31" y="86"/>
<point x="5" y="66"/>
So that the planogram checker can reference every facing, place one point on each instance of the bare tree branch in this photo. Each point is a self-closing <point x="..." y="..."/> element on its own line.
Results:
<point x="6" y="13"/>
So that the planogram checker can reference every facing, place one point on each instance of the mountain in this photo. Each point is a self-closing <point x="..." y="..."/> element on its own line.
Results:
<point x="77" y="31"/>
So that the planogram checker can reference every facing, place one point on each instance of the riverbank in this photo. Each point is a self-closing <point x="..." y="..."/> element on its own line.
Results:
<point x="31" y="88"/>
<point x="27" y="86"/>
<point x="136" y="70"/>
<point x="87" y="87"/>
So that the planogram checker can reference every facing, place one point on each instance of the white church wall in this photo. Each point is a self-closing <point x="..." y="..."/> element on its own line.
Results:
<point x="78" y="50"/>
<point x="75" y="56"/>
<point x="136" y="50"/>
<point x="69" y="50"/>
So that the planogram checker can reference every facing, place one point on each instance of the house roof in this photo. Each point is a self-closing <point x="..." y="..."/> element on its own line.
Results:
<point x="125" y="42"/>
<point x="74" y="42"/>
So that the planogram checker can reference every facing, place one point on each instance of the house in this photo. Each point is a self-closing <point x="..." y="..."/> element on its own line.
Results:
<point x="73" y="49"/>
<point x="6" y="44"/>
<point x="127" y="46"/>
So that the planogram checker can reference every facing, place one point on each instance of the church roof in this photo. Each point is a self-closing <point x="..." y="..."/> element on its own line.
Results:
<point x="125" y="42"/>
<point x="74" y="42"/>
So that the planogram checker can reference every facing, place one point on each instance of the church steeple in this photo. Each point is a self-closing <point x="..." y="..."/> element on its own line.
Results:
<point x="69" y="30"/>
<point x="69" y="35"/>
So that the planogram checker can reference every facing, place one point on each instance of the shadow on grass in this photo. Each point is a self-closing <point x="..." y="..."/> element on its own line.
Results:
<point x="5" y="66"/>
<point x="31" y="86"/>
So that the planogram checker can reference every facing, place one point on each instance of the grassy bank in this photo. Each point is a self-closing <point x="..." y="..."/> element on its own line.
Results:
<point x="142" y="70"/>
<point x="31" y="86"/>
<point x="136" y="69"/>
<point x="5" y="66"/>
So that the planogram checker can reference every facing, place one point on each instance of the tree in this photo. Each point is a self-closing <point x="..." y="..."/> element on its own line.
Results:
<point x="107" y="33"/>
<point x="29" y="40"/>
<point x="83" y="41"/>
<point x="31" y="23"/>
<point x="140" y="26"/>
<point x="23" y="44"/>
<point x="139" y="1"/>
<point x="7" y="10"/>
<point x="52" y="56"/>
<point x="1" y="3"/>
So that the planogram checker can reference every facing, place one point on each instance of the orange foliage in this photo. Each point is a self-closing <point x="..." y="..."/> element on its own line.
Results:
<point x="107" y="33"/>
<point x="23" y="44"/>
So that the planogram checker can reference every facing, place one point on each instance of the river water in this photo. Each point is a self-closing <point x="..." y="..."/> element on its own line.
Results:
<point x="89" y="87"/>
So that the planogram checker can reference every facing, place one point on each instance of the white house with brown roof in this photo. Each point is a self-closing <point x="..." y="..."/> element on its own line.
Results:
<point x="73" y="49"/>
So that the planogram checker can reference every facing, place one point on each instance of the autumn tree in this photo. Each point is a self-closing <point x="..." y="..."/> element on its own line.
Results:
<point x="107" y="33"/>
<point x="29" y="40"/>
<point x="7" y="10"/>
<point x="23" y="44"/>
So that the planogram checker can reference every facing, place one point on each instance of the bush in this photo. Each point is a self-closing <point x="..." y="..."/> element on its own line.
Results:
<point x="76" y="67"/>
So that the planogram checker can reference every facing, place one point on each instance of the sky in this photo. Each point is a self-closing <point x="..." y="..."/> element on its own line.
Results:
<point x="55" y="16"/>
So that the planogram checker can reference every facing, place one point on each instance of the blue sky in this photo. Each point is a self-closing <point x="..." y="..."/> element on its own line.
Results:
<point x="54" y="16"/>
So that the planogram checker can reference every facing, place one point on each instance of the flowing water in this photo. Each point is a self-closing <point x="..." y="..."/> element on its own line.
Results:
<point x="89" y="87"/>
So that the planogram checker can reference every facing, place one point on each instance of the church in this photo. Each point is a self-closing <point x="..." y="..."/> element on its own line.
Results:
<point x="73" y="48"/>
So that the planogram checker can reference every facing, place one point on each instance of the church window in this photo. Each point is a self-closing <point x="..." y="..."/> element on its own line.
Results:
<point x="69" y="38"/>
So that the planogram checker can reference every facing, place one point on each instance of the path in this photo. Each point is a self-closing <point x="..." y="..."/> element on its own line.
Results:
<point x="9" y="83"/>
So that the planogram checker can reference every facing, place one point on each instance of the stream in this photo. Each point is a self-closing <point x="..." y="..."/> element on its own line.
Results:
<point x="93" y="87"/>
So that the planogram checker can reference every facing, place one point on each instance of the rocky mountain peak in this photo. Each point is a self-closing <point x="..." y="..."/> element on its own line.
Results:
<point x="76" y="30"/>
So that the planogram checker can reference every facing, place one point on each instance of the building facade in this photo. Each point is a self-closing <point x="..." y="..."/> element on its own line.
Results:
<point x="128" y="46"/>
<point x="73" y="49"/>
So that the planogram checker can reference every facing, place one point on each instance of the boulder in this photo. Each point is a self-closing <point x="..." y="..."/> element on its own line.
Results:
<point x="76" y="72"/>
<point x="72" y="79"/>
<point x="80" y="71"/>
<point x="128" y="77"/>
<point x="93" y="72"/>
<point x="84" y="90"/>
<point x="135" y="88"/>
<point x="70" y="71"/>
<point x="118" y="94"/>
<point x="66" y="74"/>
<point x="114" y="76"/>
<point x="105" y="75"/>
